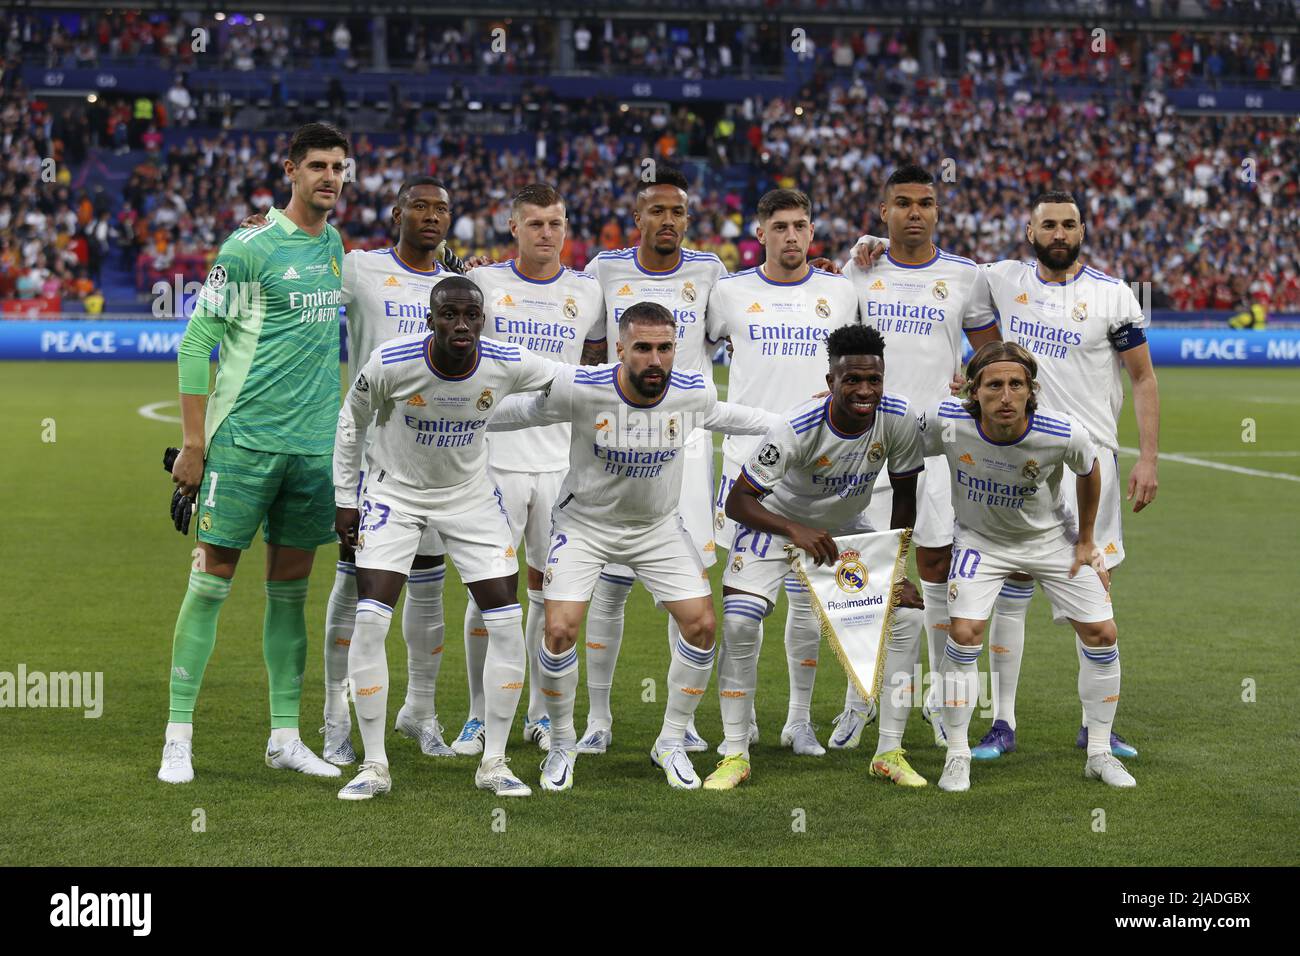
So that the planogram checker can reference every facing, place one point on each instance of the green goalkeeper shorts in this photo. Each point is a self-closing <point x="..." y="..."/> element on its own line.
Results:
<point x="244" y="487"/>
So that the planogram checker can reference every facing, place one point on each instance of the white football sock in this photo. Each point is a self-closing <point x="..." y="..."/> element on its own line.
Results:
<point x="177" y="731"/>
<point x="1098" y="692"/>
<point x="423" y="628"/>
<point x="674" y="635"/>
<point x="936" y="629"/>
<point x="688" y="679"/>
<point x="558" y="677"/>
<point x="368" y="670"/>
<point x="534" y="628"/>
<point x="742" y="628"/>
<point x="604" y="636"/>
<point x="340" y="620"/>
<point x="503" y="676"/>
<point x="1007" y="646"/>
<point x="902" y="651"/>
<point x="476" y="648"/>
<point x="802" y="644"/>
<point x="960" y="693"/>
<point x="283" y="736"/>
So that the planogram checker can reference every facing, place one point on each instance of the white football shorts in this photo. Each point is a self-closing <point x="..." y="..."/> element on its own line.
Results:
<point x="478" y="539"/>
<point x="662" y="556"/>
<point x="430" y="542"/>
<point x="529" y="498"/>
<point x="1107" y="531"/>
<point x="978" y="573"/>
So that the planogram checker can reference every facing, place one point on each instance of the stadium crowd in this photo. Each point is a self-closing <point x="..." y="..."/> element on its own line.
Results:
<point x="689" y="49"/>
<point x="1205" y="209"/>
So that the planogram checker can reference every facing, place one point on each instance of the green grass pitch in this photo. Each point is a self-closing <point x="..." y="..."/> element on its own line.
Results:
<point x="94" y="573"/>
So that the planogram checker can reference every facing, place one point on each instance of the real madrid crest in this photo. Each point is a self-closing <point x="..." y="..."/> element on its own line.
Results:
<point x="940" y="290"/>
<point x="484" y="401"/>
<point x="738" y="563"/>
<point x="547" y="577"/>
<point x="688" y="292"/>
<point x="851" y="575"/>
<point x="720" y="520"/>
<point x="334" y="266"/>
<point x="570" y="308"/>
<point x="205" y="523"/>
<point x="952" y="591"/>
<point x="672" y="428"/>
<point x="1030" y="471"/>
<point x="1080" y="312"/>
<point x="876" y="452"/>
<point x="823" y="308"/>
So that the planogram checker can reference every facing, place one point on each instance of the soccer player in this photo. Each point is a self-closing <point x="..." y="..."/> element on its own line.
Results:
<point x="922" y="300"/>
<point x="386" y="293"/>
<point x="1081" y="325"/>
<point x="809" y="479"/>
<point x="428" y="466"/>
<point x="620" y="503"/>
<point x="1008" y="460"/>
<point x="538" y="304"/>
<point x="661" y="270"/>
<point x="259" y="451"/>
<point x="777" y="317"/>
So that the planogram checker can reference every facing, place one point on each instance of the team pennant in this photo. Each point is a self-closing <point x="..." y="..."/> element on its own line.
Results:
<point x="854" y="600"/>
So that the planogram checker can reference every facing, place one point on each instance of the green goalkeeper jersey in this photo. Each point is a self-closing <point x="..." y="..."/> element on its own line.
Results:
<point x="276" y="290"/>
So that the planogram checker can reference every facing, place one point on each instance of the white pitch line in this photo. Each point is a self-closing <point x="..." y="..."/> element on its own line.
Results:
<point x="151" y="411"/>
<point x="1219" y="466"/>
<point x="1243" y="454"/>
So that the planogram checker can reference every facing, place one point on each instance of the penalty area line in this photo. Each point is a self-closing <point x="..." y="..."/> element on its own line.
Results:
<point x="152" y="412"/>
<point x="1218" y="465"/>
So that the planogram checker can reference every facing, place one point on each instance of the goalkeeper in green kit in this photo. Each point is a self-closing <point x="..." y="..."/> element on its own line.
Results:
<point x="259" y="450"/>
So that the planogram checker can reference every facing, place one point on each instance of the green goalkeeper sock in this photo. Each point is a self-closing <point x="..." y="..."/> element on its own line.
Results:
<point x="192" y="643"/>
<point x="284" y="646"/>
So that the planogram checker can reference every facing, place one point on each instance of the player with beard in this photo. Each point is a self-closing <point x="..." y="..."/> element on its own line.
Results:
<point x="777" y="318"/>
<point x="619" y="503"/>
<point x="257" y="452"/>
<point x="925" y="302"/>
<point x="535" y="302"/>
<point x="1081" y="326"/>
<point x="658" y="269"/>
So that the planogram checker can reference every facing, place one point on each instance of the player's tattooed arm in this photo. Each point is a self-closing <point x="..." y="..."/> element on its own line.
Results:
<point x="744" y="507"/>
<point x="594" y="353"/>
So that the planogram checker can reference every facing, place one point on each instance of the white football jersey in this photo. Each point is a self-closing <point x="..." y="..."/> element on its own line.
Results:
<point x="922" y="311"/>
<point x="1075" y="330"/>
<point x="683" y="290"/>
<point x="1009" y="493"/>
<point x="778" y="335"/>
<point x="549" y="317"/>
<point x="427" y="446"/>
<point x="812" y="473"/>
<point x="385" y="299"/>
<point x="625" y="459"/>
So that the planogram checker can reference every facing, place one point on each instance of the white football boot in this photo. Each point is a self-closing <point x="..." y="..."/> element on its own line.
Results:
<point x="337" y="748"/>
<point x="428" y="733"/>
<point x="373" y="780"/>
<point x="177" y="762"/>
<point x="803" y="739"/>
<point x="557" y="770"/>
<point x="596" y="740"/>
<point x="296" y="756"/>
<point x="677" y="767"/>
<point x="1108" y="770"/>
<point x="956" y="774"/>
<point x="495" y="775"/>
